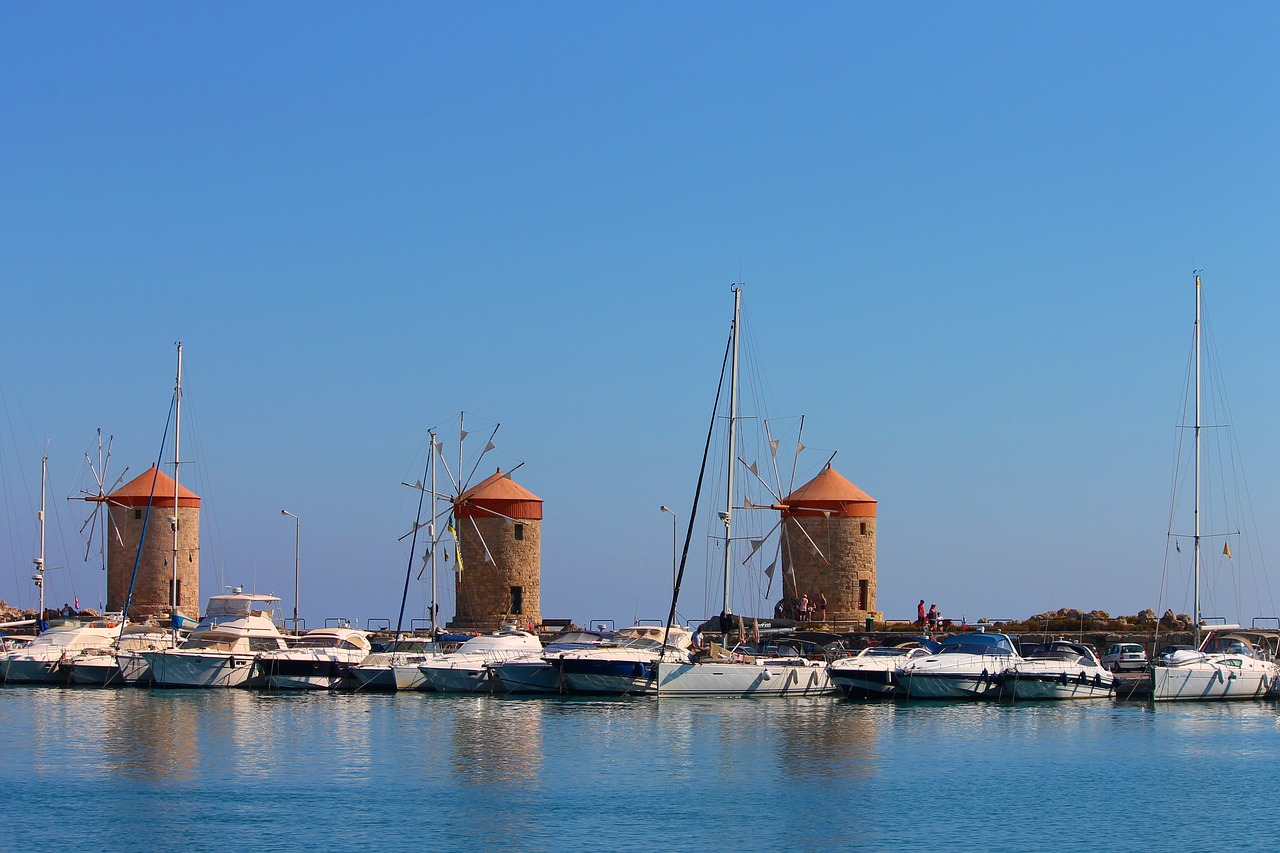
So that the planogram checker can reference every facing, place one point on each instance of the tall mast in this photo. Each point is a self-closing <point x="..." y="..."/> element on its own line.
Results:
<point x="1195" y="547"/>
<point x="177" y="455"/>
<point x="38" y="577"/>
<point x="727" y="515"/>
<point x="431" y="529"/>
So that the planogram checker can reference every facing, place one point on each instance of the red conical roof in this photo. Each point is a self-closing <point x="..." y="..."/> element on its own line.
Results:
<point x="830" y="493"/>
<point x="499" y="494"/>
<point x="155" y="487"/>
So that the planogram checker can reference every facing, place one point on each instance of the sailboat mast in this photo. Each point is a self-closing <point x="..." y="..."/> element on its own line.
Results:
<point x="431" y="529"/>
<point x="1195" y="547"/>
<point x="727" y="515"/>
<point x="39" y="561"/>
<point x="177" y="455"/>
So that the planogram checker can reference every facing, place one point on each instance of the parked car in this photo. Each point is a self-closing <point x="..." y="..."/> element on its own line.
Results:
<point x="1122" y="656"/>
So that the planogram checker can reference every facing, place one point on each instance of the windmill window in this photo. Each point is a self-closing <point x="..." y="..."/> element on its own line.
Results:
<point x="864" y="528"/>
<point x="517" y="600"/>
<point x="864" y="595"/>
<point x="137" y="513"/>
<point x="519" y="531"/>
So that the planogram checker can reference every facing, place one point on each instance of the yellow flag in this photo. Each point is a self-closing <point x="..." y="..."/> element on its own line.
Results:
<point x="1226" y="549"/>
<point x="457" y="549"/>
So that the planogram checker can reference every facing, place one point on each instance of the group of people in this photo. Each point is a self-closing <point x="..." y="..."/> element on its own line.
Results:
<point x="802" y="609"/>
<point x="930" y="619"/>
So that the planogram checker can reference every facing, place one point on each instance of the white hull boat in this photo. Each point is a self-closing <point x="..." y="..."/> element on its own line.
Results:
<point x="1058" y="670"/>
<point x="763" y="676"/>
<point x="222" y="650"/>
<point x="398" y="668"/>
<point x="536" y="672"/>
<point x="42" y="661"/>
<point x="623" y="665"/>
<point x="1232" y="663"/>
<point x="870" y="673"/>
<point x="966" y="666"/>
<point x="464" y="671"/>
<point x="321" y="660"/>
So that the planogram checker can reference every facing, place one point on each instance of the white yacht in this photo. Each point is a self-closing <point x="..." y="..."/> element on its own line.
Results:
<point x="966" y="666"/>
<point x="41" y="661"/>
<point x="778" y="669"/>
<point x="320" y="660"/>
<point x="623" y="664"/>
<point x="869" y="673"/>
<point x="119" y="663"/>
<point x="396" y="668"/>
<point x="464" y="671"/>
<point x="221" y="650"/>
<point x="1059" y="669"/>
<point x="1231" y="663"/>
<point x="535" y="672"/>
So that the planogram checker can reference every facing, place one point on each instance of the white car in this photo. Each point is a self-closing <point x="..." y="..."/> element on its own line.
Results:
<point x="1122" y="656"/>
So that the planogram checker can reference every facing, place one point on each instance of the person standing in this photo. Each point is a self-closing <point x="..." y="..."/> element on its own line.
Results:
<point x="804" y="607"/>
<point x="933" y="617"/>
<point x="822" y="606"/>
<point x="921" y="619"/>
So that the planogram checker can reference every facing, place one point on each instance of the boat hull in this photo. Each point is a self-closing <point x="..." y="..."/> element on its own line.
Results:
<point x="177" y="668"/>
<point x="1021" y="686"/>
<point x="527" y="677"/>
<point x="1208" y="681"/>
<point x="731" y="678"/>
<point x="947" y="685"/>
<point x="33" y="670"/>
<point x="460" y="679"/>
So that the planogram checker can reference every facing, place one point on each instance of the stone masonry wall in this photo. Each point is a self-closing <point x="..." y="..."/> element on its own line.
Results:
<point x="483" y="590"/>
<point x="851" y="556"/>
<point x="151" y="589"/>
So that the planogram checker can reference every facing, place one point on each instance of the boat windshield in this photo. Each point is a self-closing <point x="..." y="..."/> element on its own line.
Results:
<point x="977" y="644"/>
<point x="1058" y="651"/>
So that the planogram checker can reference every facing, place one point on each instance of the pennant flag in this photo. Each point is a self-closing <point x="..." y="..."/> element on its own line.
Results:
<point x="755" y="546"/>
<point x="76" y="599"/>
<point x="773" y="447"/>
<point x="799" y="447"/>
<point x="457" y="551"/>
<point x="1226" y="549"/>
<point x="769" y="571"/>
<point x="754" y="469"/>
<point x="488" y="447"/>
<point x="747" y="504"/>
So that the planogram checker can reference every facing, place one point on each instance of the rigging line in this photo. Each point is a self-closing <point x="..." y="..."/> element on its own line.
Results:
<point x="487" y="447"/>
<point x="413" y="544"/>
<point x="146" y="518"/>
<point x="697" y="493"/>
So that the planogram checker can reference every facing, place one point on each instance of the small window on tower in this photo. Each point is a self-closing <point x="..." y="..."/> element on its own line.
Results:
<point x="519" y="531"/>
<point x="517" y="601"/>
<point x="864" y="528"/>
<point x="137" y="513"/>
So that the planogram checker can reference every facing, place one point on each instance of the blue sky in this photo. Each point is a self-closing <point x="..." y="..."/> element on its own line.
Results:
<point x="967" y="233"/>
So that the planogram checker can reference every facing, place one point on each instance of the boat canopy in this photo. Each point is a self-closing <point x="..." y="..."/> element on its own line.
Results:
<point x="975" y="643"/>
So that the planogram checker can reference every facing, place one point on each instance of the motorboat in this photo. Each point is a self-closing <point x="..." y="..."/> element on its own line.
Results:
<point x="869" y="673"/>
<point x="623" y="664"/>
<point x="776" y="668"/>
<point x="1231" y="663"/>
<point x="535" y="672"/>
<point x="120" y="663"/>
<point x="1059" y="669"/>
<point x="41" y="661"/>
<point x="396" y="666"/>
<point x="464" y="670"/>
<point x="221" y="651"/>
<point x="321" y="659"/>
<point x="966" y="666"/>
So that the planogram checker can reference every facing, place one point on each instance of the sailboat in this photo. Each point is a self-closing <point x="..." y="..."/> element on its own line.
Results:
<point x="778" y="669"/>
<point x="1231" y="662"/>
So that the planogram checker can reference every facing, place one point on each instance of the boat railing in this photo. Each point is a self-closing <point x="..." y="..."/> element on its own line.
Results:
<point x="373" y="624"/>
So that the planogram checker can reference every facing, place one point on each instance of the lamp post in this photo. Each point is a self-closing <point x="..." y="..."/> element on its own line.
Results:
<point x="297" y="541"/>
<point x="674" y="523"/>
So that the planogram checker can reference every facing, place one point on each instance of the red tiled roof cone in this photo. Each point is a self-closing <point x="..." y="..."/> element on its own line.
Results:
<point x="499" y="526"/>
<point x="128" y="508"/>
<point x="830" y="525"/>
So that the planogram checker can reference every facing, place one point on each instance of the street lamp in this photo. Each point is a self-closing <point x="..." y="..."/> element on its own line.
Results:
<point x="297" y="540"/>
<point x="674" y="522"/>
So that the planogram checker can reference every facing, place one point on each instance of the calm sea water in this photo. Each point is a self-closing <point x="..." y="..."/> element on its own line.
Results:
<point x="219" y="770"/>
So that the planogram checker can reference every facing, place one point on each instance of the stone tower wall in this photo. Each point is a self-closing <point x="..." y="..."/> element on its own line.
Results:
<point x="482" y="591"/>
<point x="151" y="589"/>
<point x="849" y="545"/>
